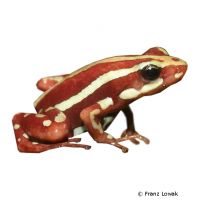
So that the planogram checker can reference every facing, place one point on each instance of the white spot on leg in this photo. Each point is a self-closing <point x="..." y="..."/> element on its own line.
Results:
<point x="35" y="143"/>
<point x="27" y="114"/>
<point x="47" y="122"/>
<point x="25" y="136"/>
<point x="40" y="115"/>
<point x="19" y="139"/>
<point x="50" y="108"/>
<point x="16" y="126"/>
<point x="105" y="103"/>
<point x="61" y="117"/>
<point x="95" y="125"/>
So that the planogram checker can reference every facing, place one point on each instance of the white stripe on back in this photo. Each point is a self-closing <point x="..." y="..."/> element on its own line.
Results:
<point x="90" y="89"/>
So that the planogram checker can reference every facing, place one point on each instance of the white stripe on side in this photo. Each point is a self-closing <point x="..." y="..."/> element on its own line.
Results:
<point x="132" y="93"/>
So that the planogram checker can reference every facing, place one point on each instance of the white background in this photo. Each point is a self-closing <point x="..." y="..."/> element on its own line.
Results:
<point x="40" y="38"/>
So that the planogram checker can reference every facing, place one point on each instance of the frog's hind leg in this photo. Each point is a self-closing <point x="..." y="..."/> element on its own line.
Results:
<point x="48" y="82"/>
<point x="38" y="132"/>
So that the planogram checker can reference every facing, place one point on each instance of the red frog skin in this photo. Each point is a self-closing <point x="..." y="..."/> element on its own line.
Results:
<point x="89" y="99"/>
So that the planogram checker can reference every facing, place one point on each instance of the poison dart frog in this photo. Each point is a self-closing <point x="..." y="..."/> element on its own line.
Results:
<point x="89" y="99"/>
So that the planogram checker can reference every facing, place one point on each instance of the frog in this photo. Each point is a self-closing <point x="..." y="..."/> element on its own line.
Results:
<point x="90" y="98"/>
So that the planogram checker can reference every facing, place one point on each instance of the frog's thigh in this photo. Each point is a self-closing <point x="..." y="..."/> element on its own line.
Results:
<point x="51" y="127"/>
<point x="49" y="81"/>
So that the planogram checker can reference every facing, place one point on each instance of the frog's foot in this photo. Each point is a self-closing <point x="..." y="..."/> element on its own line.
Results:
<point x="133" y="136"/>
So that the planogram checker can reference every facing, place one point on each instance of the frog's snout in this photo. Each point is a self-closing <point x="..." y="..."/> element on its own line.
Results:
<point x="181" y="70"/>
<point x="173" y="73"/>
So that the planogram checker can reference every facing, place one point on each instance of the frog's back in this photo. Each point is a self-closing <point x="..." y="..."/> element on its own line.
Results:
<point x="81" y="84"/>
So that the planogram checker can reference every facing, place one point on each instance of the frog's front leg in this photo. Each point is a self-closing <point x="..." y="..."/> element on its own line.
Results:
<point x="49" y="81"/>
<point x="91" y="117"/>
<point x="130" y="133"/>
<point x="40" y="132"/>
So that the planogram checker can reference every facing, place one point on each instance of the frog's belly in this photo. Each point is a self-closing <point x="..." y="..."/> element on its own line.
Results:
<point x="105" y="124"/>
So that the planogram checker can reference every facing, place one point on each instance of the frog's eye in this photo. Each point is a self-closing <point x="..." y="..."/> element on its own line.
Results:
<point x="150" y="72"/>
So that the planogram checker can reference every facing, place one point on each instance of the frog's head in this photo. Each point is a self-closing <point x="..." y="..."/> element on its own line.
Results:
<point x="161" y="71"/>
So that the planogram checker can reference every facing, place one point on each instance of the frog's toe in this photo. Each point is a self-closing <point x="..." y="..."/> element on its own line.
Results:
<point x="127" y="133"/>
<point x="123" y="148"/>
<point x="68" y="144"/>
<point x="133" y="136"/>
<point x="144" y="139"/>
<point x="134" y="141"/>
<point x="74" y="140"/>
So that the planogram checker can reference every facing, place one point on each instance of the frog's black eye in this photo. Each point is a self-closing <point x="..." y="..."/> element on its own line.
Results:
<point x="150" y="72"/>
